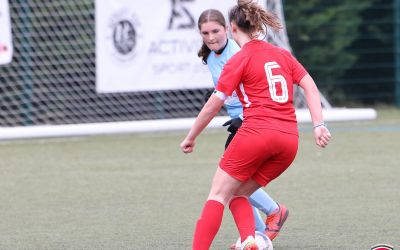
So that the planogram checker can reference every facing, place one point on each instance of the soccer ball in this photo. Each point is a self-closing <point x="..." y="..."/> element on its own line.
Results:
<point x="262" y="241"/>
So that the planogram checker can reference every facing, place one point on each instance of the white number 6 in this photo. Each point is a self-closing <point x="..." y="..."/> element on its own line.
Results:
<point x="272" y="82"/>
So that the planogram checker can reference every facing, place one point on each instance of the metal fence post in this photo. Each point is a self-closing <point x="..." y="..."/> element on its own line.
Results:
<point x="396" y="25"/>
<point x="26" y="63"/>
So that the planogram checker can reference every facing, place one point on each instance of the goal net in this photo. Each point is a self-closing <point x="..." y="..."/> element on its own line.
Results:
<point x="52" y="86"/>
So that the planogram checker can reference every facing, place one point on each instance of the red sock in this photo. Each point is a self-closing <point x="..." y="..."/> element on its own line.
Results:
<point x="208" y="225"/>
<point x="243" y="216"/>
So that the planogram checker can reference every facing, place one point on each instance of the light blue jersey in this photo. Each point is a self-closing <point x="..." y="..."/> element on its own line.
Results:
<point x="215" y="65"/>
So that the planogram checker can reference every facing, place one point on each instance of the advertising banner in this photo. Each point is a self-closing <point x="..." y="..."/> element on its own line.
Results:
<point x="6" y="47"/>
<point x="151" y="45"/>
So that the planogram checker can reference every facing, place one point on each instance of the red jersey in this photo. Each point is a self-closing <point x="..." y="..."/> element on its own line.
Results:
<point x="263" y="76"/>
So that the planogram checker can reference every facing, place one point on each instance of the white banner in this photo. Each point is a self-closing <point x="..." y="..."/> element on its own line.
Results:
<point x="6" y="47"/>
<point x="151" y="45"/>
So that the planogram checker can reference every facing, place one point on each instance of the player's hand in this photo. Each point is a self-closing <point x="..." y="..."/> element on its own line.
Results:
<point x="187" y="146"/>
<point x="234" y="124"/>
<point x="322" y="136"/>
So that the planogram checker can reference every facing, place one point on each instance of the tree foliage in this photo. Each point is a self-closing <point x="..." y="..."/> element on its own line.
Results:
<point x="320" y="33"/>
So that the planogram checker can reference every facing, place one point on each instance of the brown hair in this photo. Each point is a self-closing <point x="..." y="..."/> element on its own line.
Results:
<point x="253" y="19"/>
<point x="210" y="15"/>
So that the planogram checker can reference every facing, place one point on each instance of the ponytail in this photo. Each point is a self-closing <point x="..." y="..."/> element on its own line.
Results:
<point x="253" y="19"/>
<point x="204" y="52"/>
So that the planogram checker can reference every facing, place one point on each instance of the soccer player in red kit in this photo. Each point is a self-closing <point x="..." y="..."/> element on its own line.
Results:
<point x="266" y="144"/>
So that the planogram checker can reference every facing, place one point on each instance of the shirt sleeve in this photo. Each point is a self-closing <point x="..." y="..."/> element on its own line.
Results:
<point x="231" y="75"/>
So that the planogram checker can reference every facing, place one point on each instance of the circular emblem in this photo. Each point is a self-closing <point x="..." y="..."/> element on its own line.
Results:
<point x="124" y="37"/>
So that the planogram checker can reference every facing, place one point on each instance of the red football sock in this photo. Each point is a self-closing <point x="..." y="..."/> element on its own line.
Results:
<point x="208" y="225"/>
<point x="243" y="216"/>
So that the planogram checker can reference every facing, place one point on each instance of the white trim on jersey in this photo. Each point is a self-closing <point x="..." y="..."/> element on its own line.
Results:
<point x="245" y="97"/>
<point x="220" y="95"/>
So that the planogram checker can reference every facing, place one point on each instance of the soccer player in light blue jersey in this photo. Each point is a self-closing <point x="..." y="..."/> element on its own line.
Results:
<point x="216" y="50"/>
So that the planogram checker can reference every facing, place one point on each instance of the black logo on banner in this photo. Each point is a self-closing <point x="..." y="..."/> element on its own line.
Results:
<point x="124" y="37"/>
<point x="180" y="18"/>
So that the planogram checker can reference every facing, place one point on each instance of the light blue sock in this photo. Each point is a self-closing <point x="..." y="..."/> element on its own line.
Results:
<point x="261" y="200"/>
<point x="259" y="222"/>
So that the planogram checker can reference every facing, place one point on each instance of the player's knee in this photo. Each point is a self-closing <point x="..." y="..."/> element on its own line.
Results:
<point x="221" y="197"/>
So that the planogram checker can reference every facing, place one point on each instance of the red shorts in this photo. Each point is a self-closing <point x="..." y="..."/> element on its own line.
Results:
<point x="260" y="154"/>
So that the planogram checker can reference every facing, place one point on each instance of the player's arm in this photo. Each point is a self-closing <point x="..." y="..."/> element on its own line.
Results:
<point x="321" y="132"/>
<point x="210" y="109"/>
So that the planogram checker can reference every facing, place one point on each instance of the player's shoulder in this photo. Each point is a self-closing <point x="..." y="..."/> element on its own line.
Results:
<point x="284" y="54"/>
<point x="279" y="50"/>
<point x="240" y="57"/>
